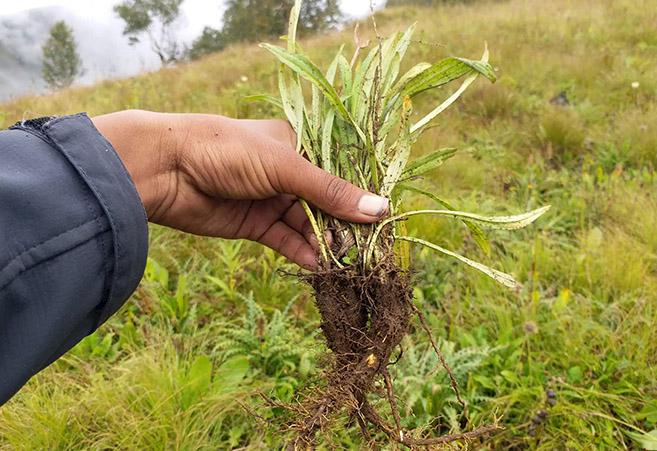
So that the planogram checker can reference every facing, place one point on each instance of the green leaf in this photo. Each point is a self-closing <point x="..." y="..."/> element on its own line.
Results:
<point x="475" y="68"/>
<point x="293" y="108"/>
<point x="647" y="440"/>
<point x="575" y="374"/>
<point x="198" y="381"/>
<point x="345" y="73"/>
<point x="510" y="376"/>
<point x="327" y="131"/>
<point x="333" y="67"/>
<point x="393" y="53"/>
<point x="446" y="71"/>
<point x="396" y="167"/>
<point x="293" y="25"/>
<point x="649" y="412"/>
<point x="477" y="233"/>
<point x="315" y="119"/>
<point x="266" y="99"/>
<point x="230" y="374"/>
<point x="482" y="67"/>
<point x="500" y="277"/>
<point x="200" y="373"/>
<point x="436" y="75"/>
<point x="303" y="67"/>
<point x="419" y="126"/>
<point x="181" y="298"/>
<point x="358" y="84"/>
<point x="157" y="273"/>
<point x="428" y="162"/>
<point x="495" y="222"/>
<point x="401" y="153"/>
<point x="373" y="80"/>
<point x="408" y="76"/>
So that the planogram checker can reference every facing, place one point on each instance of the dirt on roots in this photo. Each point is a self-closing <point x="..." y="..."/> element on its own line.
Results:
<point x="364" y="318"/>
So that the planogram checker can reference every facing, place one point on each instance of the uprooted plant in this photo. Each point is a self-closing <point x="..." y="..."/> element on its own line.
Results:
<point x="354" y="121"/>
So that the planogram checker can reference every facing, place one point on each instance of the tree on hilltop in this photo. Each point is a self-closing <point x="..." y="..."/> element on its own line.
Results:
<point x="156" y="19"/>
<point x="258" y="20"/>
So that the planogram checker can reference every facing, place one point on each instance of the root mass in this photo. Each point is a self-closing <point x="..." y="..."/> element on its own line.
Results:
<point x="364" y="317"/>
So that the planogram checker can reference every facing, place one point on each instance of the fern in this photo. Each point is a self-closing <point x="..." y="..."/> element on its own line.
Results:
<point x="272" y="345"/>
<point x="425" y="388"/>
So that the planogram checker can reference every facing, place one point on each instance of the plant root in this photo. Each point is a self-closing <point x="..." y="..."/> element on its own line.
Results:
<point x="364" y="317"/>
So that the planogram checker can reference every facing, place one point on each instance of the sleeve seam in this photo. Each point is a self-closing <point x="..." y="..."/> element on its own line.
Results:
<point x="50" y="240"/>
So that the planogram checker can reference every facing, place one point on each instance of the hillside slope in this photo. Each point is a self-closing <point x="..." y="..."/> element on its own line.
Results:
<point x="568" y="362"/>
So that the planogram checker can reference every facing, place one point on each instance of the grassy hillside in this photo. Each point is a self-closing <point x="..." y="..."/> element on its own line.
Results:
<point x="569" y="362"/>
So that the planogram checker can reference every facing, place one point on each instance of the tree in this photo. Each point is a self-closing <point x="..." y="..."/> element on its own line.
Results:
<point x="256" y="20"/>
<point x="61" y="61"/>
<point x="156" y="19"/>
<point x="210" y="41"/>
<point x="424" y="2"/>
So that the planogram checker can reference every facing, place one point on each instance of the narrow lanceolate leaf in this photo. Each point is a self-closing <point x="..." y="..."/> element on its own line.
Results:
<point x="408" y="76"/>
<point x="292" y="105"/>
<point x="401" y="153"/>
<point x="646" y="440"/>
<point x="333" y="67"/>
<point x="396" y="167"/>
<point x="494" y="222"/>
<point x="303" y="67"/>
<point x="345" y="73"/>
<point x="428" y="162"/>
<point x="482" y="68"/>
<point x="443" y="106"/>
<point x="266" y="99"/>
<point x="477" y="233"/>
<point x="292" y="26"/>
<point x="327" y="132"/>
<point x="443" y="72"/>
<point x="315" y="119"/>
<point x="405" y="41"/>
<point x="392" y="72"/>
<point x="499" y="276"/>
<point x="357" y="86"/>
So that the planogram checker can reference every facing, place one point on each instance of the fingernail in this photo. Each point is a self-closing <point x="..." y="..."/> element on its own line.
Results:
<point x="309" y="262"/>
<point x="373" y="205"/>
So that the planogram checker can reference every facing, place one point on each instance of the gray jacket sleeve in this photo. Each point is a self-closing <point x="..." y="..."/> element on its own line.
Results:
<point x="73" y="241"/>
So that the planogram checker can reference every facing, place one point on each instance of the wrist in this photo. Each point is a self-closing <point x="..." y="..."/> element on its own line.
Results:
<point x="144" y="142"/>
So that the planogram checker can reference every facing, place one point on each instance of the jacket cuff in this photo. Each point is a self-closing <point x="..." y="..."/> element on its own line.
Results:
<point x="94" y="158"/>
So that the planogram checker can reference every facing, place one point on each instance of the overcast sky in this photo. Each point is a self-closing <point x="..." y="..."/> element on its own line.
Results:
<point x="198" y="13"/>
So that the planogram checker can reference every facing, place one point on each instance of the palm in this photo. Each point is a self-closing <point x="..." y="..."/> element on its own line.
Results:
<point x="278" y="222"/>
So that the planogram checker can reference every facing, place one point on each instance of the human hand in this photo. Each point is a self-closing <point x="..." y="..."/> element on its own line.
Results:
<point x="221" y="177"/>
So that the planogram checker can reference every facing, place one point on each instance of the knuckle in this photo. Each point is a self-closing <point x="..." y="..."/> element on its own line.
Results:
<point x="286" y="242"/>
<point x="336" y="192"/>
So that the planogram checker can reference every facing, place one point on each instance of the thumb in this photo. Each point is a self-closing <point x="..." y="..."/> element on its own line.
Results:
<point x="331" y="194"/>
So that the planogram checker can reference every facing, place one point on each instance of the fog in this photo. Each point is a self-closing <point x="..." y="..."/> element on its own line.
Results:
<point x="104" y="50"/>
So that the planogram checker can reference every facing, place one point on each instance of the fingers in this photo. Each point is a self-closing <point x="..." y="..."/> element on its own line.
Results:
<point x="296" y="218"/>
<point x="291" y="244"/>
<point x="327" y="192"/>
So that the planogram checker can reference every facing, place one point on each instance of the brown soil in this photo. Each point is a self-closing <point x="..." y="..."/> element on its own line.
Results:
<point x="364" y="318"/>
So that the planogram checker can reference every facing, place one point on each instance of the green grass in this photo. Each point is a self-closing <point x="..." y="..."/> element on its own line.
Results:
<point x="215" y="323"/>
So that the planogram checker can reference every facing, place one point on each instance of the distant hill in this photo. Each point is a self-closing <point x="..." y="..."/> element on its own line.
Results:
<point x="104" y="51"/>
